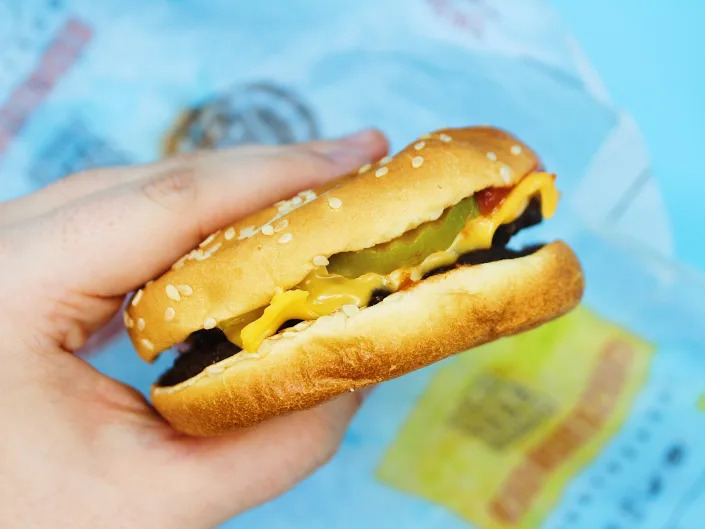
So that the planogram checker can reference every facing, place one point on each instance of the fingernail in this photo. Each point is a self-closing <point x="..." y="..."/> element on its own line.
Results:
<point x="355" y="149"/>
<point x="349" y="157"/>
<point x="362" y="138"/>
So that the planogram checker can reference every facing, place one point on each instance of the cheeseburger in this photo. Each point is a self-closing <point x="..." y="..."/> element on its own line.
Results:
<point x="377" y="273"/>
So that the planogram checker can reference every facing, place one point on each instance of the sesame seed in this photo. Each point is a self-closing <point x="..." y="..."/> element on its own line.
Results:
<point x="309" y="195"/>
<point x="229" y="233"/>
<point x="201" y="256"/>
<point x="209" y="323"/>
<point x="381" y="171"/>
<point x="213" y="249"/>
<point x="492" y="156"/>
<point x="506" y="173"/>
<point x="208" y="240"/>
<point x="352" y="390"/>
<point x="140" y="324"/>
<point x="385" y="160"/>
<point x="149" y="282"/>
<point x="267" y="229"/>
<point x="417" y="162"/>
<point x="214" y="369"/>
<point x="137" y="298"/>
<point x="350" y="310"/>
<point x="284" y="206"/>
<point x="515" y="150"/>
<point x="184" y="289"/>
<point x="320" y="260"/>
<point x="172" y="293"/>
<point x="249" y="231"/>
<point x="285" y="238"/>
<point x="126" y="319"/>
<point x="420" y="145"/>
<point x="335" y="202"/>
<point x="169" y="313"/>
<point x="281" y="225"/>
<point x="178" y="264"/>
<point x="147" y="344"/>
<point x="364" y="168"/>
<point x="297" y="200"/>
<point x="445" y="137"/>
<point x="425" y="136"/>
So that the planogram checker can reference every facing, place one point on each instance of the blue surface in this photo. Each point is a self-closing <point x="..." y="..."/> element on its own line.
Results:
<point x="651" y="57"/>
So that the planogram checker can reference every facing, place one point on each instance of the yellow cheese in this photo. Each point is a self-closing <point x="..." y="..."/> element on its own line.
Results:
<point x="321" y="293"/>
<point x="289" y="305"/>
<point x="478" y="233"/>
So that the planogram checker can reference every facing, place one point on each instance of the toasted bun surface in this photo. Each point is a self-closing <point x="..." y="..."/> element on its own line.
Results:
<point x="440" y="316"/>
<point x="234" y="273"/>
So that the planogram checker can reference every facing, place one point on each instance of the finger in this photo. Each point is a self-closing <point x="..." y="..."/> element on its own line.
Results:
<point x="68" y="189"/>
<point x="84" y="183"/>
<point x="370" y="141"/>
<point x="227" y="475"/>
<point x="114" y="240"/>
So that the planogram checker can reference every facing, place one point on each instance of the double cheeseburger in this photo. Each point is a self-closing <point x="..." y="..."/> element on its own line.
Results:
<point x="380" y="272"/>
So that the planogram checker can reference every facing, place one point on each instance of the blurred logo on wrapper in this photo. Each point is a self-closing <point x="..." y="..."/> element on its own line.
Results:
<point x="500" y="432"/>
<point x="71" y="148"/>
<point x="262" y="113"/>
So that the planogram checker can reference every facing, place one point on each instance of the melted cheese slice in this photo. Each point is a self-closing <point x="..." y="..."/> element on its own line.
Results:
<point x="321" y="293"/>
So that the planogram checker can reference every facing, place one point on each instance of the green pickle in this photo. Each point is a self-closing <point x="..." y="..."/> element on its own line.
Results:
<point x="411" y="248"/>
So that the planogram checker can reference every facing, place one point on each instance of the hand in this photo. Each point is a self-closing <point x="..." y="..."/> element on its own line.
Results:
<point x="79" y="449"/>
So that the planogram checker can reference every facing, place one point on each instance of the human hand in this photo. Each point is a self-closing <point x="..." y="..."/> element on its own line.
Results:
<point x="79" y="449"/>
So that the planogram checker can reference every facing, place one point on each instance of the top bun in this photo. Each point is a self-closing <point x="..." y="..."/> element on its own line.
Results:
<point x="239" y="268"/>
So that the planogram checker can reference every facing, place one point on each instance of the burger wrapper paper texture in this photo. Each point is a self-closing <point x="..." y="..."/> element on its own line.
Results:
<point x="593" y="421"/>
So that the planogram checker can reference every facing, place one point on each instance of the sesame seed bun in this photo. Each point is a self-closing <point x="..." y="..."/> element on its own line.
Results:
<point x="239" y="268"/>
<point x="438" y="317"/>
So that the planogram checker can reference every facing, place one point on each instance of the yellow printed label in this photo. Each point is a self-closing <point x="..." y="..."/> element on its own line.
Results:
<point x="501" y="430"/>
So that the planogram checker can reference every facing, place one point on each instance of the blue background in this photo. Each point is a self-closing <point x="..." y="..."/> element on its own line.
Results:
<point x="651" y="56"/>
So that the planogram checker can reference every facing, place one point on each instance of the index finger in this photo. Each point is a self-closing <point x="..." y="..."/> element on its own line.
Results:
<point x="112" y="241"/>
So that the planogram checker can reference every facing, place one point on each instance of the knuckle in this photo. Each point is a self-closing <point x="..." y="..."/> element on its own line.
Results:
<point x="172" y="189"/>
<point x="68" y="225"/>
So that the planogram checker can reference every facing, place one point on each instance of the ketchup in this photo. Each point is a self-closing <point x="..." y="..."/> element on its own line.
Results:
<point x="490" y="198"/>
<point x="406" y="282"/>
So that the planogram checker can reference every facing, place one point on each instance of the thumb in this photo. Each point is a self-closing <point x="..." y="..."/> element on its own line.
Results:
<point x="112" y="241"/>
<point x="232" y="473"/>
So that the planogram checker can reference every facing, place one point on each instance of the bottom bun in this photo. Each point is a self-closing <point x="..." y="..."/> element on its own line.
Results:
<point x="440" y="316"/>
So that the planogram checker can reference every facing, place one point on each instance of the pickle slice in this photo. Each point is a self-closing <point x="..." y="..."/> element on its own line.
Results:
<point x="411" y="248"/>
